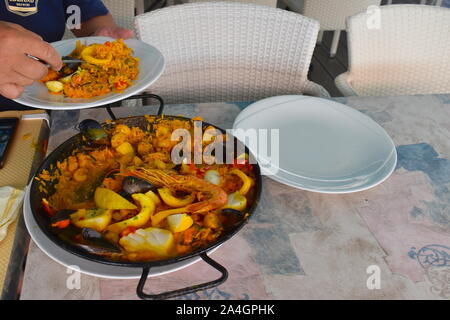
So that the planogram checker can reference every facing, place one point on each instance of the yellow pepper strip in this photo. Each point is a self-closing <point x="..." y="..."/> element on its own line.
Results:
<point x="247" y="181"/>
<point x="154" y="197"/>
<point x="160" y="216"/>
<point x="147" y="210"/>
<point x="174" y="202"/>
<point x="87" y="54"/>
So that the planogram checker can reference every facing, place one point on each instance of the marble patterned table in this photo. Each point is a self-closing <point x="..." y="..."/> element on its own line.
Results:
<point x="303" y="245"/>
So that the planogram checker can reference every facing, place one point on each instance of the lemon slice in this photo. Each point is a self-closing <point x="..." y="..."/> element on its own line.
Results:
<point x="179" y="222"/>
<point x="159" y="241"/>
<point x="108" y="199"/>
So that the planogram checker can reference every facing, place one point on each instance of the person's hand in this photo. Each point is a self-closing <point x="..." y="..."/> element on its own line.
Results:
<point x="114" y="32"/>
<point x="16" y="69"/>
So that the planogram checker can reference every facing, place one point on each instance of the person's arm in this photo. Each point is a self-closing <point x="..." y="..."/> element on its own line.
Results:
<point x="103" y="25"/>
<point x="16" y="69"/>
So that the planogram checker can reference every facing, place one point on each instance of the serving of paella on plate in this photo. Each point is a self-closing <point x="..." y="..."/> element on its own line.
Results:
<point x="110" y="70"/>
<point x="116" y="192"/>
<point x="105" y="67"/>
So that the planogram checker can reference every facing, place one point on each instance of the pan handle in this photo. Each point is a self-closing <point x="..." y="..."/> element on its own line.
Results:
<point x="147" y="97"/>
<point x="179" y="292"/>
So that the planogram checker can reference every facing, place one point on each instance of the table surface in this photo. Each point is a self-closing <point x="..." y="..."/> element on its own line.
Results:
<point x="304" y="245"/>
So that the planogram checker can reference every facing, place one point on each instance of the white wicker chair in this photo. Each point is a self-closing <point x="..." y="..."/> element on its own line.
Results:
<point x="436" y="2"/>
<point x="121" y="10"/>
<point x="331" y="14"/>
<point x="408" y="54"/>
<point x="227" y="51"/>
<point x="270" y="3"/>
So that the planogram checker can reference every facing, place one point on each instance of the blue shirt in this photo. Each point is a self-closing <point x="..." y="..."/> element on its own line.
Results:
<point x="46" y="18"/>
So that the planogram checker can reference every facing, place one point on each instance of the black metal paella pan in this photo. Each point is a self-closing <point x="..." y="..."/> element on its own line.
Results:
<point x="91" y="243"/>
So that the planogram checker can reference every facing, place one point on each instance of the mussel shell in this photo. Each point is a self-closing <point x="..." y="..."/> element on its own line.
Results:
<point x="96" y="240"/>
<point x="97" y="250"/>
<point x="132" y="185"/>
<point x="93" y="131"/>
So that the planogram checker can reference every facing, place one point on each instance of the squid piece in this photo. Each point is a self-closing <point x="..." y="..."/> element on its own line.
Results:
<point x="174" y="202"/>
<point x="88" y="54"/>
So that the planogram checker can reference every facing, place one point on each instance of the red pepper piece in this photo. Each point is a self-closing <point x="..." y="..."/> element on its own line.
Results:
<point x="127" y="231"/>
<point x="61" y="224"/>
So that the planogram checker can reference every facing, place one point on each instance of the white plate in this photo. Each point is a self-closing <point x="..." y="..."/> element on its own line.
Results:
<point x="324" y="146"/>
<point x="86" y="266"/>
<point x="151" y="66"/>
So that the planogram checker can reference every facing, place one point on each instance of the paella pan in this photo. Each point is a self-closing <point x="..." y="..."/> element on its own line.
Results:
<point x="113" y="194"/>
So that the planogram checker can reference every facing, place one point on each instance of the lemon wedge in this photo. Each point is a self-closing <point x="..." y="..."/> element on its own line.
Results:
<point x="179" y="222"/>
<point x="236" y="201"/>
<point x="161" y="215"/>
<point x="97" y="219"/>
<point x="108" y="199"/>
<point x="212" y="176"/>
<point x="159" y="241"/>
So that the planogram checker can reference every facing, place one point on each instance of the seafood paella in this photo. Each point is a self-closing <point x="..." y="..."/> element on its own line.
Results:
<point x="120" y="194"/>
<point x="108" y="67"/>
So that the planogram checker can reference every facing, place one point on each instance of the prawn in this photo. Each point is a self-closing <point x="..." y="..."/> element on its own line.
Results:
<point x="215" y="196"/>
